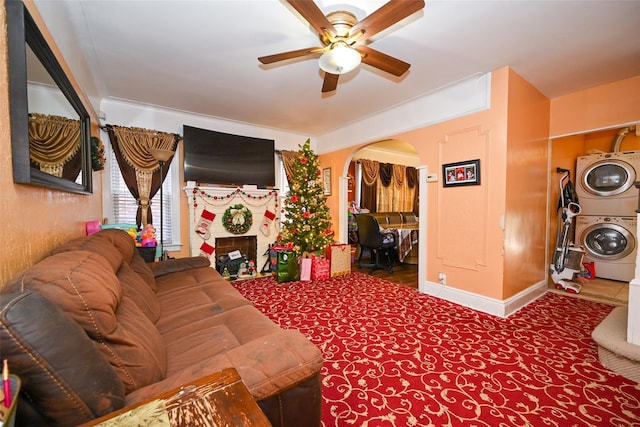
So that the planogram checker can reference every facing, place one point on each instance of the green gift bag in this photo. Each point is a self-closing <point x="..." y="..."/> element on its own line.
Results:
<point x="287" y="267"/>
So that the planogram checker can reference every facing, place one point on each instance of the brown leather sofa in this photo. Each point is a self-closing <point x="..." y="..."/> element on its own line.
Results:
<point x="92" y="328"/>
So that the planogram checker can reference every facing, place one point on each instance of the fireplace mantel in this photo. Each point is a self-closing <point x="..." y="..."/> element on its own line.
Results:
<point x="217" y="200"/>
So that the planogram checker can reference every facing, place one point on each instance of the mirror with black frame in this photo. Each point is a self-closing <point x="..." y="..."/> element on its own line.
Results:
<point x="50" y="127"/>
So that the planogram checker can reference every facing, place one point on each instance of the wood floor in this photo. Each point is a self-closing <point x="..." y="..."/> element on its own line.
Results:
<point x="403" y="274"/>
<point x="599" y="290"/>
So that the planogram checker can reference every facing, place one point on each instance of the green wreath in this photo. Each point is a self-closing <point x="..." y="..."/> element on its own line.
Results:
<point x="237" y="219"/>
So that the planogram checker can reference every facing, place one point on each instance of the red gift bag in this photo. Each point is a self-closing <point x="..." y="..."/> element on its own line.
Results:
<point x="320" y="268"/>
<point x="340" y="259"/>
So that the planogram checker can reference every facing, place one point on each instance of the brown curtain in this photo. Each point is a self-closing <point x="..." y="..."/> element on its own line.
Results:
<point x="370" y="173"/>
<point x="140" y="171"/>
<point x="288" y="160"/>
<point x="412" y="184"/>
<point x="387" y="187"/>
<point x="54" y="145"/>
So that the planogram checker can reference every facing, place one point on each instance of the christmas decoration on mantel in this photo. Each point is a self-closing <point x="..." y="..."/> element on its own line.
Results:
<point x="262" y="200"/>
<point x="308" y="223"/>
<point x="238" y="218"/>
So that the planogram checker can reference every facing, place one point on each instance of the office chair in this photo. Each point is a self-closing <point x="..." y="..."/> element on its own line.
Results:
<point x="370" y="237"/>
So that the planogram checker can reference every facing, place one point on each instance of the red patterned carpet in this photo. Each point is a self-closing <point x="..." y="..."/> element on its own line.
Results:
<point x="395" y="357"/>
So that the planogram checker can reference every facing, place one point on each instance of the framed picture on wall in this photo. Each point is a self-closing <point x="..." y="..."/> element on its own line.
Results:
<point x="461" y="173"/>
<point x="326" y="181"/>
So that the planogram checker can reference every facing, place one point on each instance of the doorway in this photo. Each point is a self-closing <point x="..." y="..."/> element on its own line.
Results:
<point x="594" y="159"/>
<point x="390" y="151"/>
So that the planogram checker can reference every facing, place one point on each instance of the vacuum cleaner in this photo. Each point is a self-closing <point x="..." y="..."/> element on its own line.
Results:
<point x="567" y="258"/>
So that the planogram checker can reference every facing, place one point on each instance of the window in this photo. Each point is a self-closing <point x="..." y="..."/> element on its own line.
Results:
<point x="120" y="206"/>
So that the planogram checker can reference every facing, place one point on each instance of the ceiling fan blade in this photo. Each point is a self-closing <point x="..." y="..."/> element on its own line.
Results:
<point x="330" y="82"/>
<point x="383" y="61"/>
<point x="314" y="16"/>
<point x="390" y="13"/>
<point x="269" y="59"/>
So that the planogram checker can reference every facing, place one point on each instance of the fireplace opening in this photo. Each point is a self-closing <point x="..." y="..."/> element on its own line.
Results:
<point x="247" y="245"/>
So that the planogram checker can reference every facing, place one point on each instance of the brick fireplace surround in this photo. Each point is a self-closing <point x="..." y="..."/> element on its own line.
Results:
<point x="217" y="200"/>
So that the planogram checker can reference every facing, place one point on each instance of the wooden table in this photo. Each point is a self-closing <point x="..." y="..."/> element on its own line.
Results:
<point x="218" y="400"/>
<point x="407" y="236"/>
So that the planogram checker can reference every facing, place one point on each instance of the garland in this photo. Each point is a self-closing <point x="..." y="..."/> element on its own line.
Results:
<point x="226" y="199"/>
<point x="237" y="219"/>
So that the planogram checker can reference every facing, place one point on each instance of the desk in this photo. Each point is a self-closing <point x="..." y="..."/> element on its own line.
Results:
<point x="406" y="235"/>
<point x="221" y="399"/>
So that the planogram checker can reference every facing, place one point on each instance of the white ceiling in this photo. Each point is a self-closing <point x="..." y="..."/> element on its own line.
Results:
<point x="201" y="56"/>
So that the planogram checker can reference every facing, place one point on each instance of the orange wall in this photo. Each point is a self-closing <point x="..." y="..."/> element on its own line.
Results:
<point x="596" y="108"/>
<point x="33" y="220"/>
<point x="465" y="236"/>
<point x="336" y="160"/>
<point x="526" y="202"/>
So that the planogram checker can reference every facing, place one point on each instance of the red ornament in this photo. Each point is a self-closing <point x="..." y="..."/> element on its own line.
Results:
<point x="304" y="160"/>
<point x="294" y="198"/>
<point x="306" y="214"/>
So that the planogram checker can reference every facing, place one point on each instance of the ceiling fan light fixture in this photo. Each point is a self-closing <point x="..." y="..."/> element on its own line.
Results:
<point x="340" y="59"/>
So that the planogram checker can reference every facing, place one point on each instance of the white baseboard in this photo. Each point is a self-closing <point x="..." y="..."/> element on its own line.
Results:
<point x="500" y="308"/>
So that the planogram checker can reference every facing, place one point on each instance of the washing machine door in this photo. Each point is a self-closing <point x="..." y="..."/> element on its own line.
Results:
<point x="608" y="178"/>
<point x="608" y="241"/>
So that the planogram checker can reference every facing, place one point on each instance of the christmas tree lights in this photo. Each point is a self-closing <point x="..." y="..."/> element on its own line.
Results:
<point x="308" y="224"/>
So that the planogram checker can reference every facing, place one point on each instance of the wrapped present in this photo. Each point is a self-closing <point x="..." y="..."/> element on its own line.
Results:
<point x="339" y="256"/>
<point x="304" y="264"/>
<point x="287" y="266"/>
<point x="320" y="268"/>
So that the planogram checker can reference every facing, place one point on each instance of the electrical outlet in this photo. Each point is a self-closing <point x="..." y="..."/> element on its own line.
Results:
<point x="432" y="177"/>
<point x="442" y="278"/>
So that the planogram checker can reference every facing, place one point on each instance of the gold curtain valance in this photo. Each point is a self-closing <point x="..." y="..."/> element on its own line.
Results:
<point x="135" y="144"/>
<point x="370" y="171"/>
<point x="138" y="166"/>
<point x="53" y="141"/>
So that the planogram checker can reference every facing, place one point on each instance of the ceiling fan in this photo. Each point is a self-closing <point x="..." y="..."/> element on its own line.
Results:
<point x="343" y="39"/>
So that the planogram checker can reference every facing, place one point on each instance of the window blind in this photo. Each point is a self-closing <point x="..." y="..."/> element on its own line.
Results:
<point x="125" y="206"/>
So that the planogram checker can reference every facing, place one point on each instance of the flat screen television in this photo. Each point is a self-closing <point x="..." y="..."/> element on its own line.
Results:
<point x="219" y="158"/>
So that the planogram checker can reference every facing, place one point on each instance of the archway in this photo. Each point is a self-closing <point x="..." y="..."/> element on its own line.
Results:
<point x="392" y="151"/>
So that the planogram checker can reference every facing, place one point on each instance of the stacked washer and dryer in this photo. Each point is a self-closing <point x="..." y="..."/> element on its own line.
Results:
<point x="607" y="225"/>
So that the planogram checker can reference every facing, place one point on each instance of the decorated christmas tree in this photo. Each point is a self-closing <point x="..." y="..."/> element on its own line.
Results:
<point x="308" y="224"/>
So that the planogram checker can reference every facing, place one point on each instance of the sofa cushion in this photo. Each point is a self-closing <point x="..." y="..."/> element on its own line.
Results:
<point x="130" y="255"/>
<point x="84" y="285"/>
<point x="140" y="266"/>
<point x="139" y="291"/>
<point x="214" y="334"/>
<point x="64" y="376"/>
<point x="190" y="295"/>
<point x="117" y="247"/>
<point x="93" y="244"/>
<point x="267" y="365"/>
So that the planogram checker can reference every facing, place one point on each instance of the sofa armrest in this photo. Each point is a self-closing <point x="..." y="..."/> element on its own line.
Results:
<point x="217" y="399"/>
<point x="179" y="264"/>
